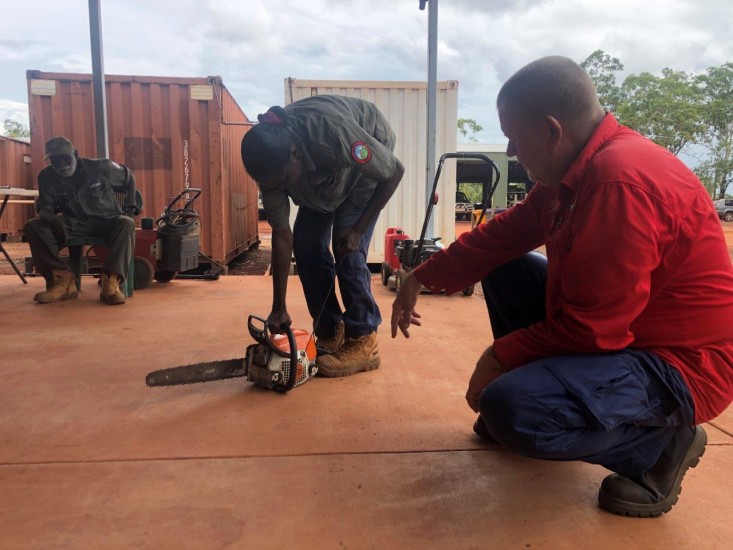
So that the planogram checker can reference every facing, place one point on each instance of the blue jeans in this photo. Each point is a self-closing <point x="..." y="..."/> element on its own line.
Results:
<point x="313" y="233"/>
<point x="618" y="410"/>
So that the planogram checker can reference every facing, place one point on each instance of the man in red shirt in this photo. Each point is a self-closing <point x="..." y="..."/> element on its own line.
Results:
<point x="617" y="345"/>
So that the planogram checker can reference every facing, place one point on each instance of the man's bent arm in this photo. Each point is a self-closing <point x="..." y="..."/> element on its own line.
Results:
<point x="46" y="204"/>
<point x="282" y="252"/>
<point x="130" y="189"/>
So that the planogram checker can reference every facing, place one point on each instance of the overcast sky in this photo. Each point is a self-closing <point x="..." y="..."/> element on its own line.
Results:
<point x="255" y="44"/>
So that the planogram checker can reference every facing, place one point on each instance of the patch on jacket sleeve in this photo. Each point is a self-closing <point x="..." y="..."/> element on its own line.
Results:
<point x="361" y="152"/>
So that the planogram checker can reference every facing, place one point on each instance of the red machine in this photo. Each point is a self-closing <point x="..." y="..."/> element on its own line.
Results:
<point x="393" y="234"/>
<point x="392" y="266"/>
<point x="402" y="254"/>
<point x="398" y="251"/>
<point x="166" y="246"/>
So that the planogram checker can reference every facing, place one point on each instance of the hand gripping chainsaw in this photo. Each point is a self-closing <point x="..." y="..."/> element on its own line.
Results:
<point x="277" y="361"/>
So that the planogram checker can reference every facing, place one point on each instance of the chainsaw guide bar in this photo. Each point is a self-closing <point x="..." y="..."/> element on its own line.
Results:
<point x="199" y="372"/>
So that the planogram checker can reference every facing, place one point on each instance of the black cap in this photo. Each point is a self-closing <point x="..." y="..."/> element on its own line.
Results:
<point x="58" y="146"/>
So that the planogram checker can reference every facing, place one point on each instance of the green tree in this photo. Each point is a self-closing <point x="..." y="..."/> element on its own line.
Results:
<point x="716" y="86"/>
<point x="715" y="175"/>
<point x="466" y="126"/>
<point x="472" y="191"/>
<point x="666" y="109"/>
<point x="675" y="110"/>
<point x="602" y="68"/>
<point x="15" y="129"/>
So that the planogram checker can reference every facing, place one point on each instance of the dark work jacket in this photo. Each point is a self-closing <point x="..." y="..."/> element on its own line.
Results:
<point x="347" y="140"/>
<point x="88" y="193"/>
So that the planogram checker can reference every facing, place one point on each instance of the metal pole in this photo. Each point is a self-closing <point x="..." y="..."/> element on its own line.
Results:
<point x="100" y="103"/>
<point x="432" y="76"/>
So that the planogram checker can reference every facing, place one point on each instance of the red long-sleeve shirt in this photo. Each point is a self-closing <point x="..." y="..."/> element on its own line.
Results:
<point x="636" y="258"/>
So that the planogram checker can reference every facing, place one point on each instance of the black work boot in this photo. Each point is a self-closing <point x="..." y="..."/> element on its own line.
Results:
<point x="655" y="492"/>
<point x="480" y="429"/>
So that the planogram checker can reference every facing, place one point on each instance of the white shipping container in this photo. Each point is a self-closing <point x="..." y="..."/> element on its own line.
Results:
<point x="405" y="106"/>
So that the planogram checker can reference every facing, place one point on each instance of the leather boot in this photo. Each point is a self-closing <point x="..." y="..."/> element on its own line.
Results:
<point x="355" y="355"/>
<point x="654" y="492"/>
<point x="111" y="293"/>
<point x="480" y="429"/>
<point x="63" y="287"/>
<point x="331" y="344"/>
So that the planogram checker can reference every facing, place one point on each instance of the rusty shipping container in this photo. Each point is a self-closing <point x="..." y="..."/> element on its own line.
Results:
<point x="174" y="133"/>
<point x="15" y="171"/>
<point x="404" y="103"/>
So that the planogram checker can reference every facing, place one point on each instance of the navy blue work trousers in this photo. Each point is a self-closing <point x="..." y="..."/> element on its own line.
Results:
<point x="313" y="233"/>
<point x="618" y="409"/>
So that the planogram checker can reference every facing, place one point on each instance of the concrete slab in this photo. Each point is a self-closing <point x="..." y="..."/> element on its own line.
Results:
<point x="91" y="457"/>
<point x="464" y="499"/>
<point x="725" y="422"/>
<point x="95" y="405"/>
<point x="716" y="436"/>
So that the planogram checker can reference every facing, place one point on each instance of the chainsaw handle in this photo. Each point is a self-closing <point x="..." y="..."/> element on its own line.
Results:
<point x="259" y="334"/>
<point x="290" y="384"/>
<point x="262" y="336"/>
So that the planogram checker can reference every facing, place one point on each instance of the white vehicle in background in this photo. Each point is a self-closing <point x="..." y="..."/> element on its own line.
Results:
<point x="725" y="209"/>
<point x="464" y="207"/>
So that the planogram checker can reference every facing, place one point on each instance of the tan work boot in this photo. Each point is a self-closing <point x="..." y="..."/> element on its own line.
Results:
<point x="355" y="355"/>
<point x="62" y="288"/>
<point x="111" y="293"/>
<point x="333" y="343"/>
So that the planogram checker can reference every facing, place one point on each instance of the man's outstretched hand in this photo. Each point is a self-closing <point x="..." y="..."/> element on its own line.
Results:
<point x="403" y="307"/>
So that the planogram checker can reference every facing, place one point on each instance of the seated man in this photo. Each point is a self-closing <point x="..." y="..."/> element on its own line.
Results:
<point x="83" y="191"/>
<point x="614" y="348"/>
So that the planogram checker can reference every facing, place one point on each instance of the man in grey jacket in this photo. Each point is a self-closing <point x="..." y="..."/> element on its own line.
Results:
<point x="82" y="190"/>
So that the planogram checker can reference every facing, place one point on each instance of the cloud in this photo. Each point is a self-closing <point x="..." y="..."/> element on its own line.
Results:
<point x="255" y="45"/>
<point x="14" y="110"/>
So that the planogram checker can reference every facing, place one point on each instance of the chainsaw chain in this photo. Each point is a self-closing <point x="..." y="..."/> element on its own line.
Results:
<point x="196" y="373"/>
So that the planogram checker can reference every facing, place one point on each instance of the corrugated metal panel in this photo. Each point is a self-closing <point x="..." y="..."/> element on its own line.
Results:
<point x="172" y="132"/>
<point x="405" y="106"/>
<point x="241" y="217"/>
<point x="15" y="171"/>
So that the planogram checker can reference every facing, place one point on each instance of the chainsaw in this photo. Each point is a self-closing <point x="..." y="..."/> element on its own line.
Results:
<point x="277" y="361"/>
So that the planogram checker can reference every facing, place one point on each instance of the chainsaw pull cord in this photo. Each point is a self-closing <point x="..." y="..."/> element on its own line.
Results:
<point x="293" y="344"/>
<point x="318" y="318"/>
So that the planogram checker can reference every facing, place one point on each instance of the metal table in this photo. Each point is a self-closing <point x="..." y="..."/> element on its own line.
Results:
<point x="6" y="193"/>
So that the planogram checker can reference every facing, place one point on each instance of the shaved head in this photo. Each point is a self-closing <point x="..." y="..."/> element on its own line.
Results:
<point x="549" y="110"/>
<point x="552" y="86"/>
